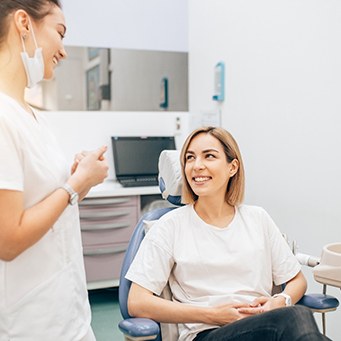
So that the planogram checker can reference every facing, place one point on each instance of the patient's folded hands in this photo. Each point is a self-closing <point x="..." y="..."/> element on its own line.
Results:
<point x="226" y="313"/>
<point x="261" y="305"/>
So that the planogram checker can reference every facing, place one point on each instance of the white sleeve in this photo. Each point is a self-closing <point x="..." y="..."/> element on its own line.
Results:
<point x="153" y="262"/>
<point x="285" y="266"/>
<point x="11" y="169"/>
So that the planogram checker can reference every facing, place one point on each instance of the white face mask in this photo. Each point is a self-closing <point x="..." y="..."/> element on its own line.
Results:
<point x="34" y="66"/>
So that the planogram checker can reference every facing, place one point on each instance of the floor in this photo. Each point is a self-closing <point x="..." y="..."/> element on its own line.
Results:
<point x="105" y="314"/>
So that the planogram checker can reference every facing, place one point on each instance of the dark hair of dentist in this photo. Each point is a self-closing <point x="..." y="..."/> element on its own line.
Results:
<point x="220" y="257"/>
<point x="42" y="288"/>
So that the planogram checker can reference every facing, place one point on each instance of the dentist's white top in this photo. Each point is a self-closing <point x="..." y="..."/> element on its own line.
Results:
<point x="207" y="266"/>
<point x="43" y="292"/>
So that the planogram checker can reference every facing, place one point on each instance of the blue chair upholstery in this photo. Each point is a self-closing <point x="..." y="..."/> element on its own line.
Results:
<point x="146" y="329"/>
<point x="321" y="303"/>
<point x="137" y="327"/>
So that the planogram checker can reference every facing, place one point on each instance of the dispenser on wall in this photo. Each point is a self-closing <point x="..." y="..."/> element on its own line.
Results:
<point x="164" y="93"/>
<point x="219" y="82"/>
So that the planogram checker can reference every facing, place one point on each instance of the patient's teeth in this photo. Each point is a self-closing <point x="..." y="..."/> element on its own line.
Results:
<point x="200" y="179"/>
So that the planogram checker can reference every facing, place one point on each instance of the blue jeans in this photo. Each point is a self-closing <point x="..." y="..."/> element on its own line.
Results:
<point x="285" y="324"/>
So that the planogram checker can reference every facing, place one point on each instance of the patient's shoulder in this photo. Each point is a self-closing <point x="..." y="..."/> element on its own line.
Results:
<point x="172" y="219"/>
<point x="178" y="213"/>
<point x="168" y="229"/>
<point x="251" y="209"/>
<point x="253" y="212"/>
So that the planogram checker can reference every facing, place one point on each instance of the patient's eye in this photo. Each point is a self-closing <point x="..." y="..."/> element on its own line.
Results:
<point x="210" y="156"/>
<point x="189" y="157"/>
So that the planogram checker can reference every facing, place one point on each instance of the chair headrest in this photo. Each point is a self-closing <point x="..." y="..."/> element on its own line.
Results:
<point x="170" y="178"/>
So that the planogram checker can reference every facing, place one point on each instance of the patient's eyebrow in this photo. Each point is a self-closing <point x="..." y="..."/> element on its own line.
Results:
<point x="210" y="150"/>
<point x="205" y="151"/>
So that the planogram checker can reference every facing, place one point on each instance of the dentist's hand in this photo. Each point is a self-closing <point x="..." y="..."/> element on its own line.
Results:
<point x="79" y="156"/>
<point x="88" y="170"/>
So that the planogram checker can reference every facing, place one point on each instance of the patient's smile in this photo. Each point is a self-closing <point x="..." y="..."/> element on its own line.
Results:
<point x="201" y="178"/>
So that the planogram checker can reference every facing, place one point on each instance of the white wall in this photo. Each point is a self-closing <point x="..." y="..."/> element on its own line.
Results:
<point x="129" y="24"/>
<point x="79" y="130"/>
<point x="283" y="81"/>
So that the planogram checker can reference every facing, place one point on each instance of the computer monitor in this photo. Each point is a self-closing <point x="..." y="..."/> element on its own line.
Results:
<point x="136" y="158"/>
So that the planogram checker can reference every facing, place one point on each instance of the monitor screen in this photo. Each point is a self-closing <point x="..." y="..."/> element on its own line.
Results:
<point x="139" y="156"/>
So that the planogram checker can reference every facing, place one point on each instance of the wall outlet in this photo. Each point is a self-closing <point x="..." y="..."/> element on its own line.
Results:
<point x="177" y="126"/>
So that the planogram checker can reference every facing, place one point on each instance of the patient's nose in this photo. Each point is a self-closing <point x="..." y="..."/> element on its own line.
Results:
<point x="198" y="163"/>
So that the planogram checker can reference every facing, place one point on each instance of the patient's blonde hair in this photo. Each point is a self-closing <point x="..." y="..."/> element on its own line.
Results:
<point x="235" y="188"/>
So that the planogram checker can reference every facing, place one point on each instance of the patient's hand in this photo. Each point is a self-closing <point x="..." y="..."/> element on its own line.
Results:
<point x="261" y="305"/>
<point x="227" y="313"/>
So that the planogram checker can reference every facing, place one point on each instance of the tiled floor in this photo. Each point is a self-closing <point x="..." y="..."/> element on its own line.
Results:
<point x="105" y="314"/>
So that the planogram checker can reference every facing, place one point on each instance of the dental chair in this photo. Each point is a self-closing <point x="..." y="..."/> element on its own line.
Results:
<point x="146" y="329"/>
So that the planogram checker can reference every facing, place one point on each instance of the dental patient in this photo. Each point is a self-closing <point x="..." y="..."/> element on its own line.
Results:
<point x="219" y="257"/>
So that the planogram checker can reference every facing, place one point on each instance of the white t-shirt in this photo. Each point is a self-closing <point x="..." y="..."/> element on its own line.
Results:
<point x="206" y="265"/>
<point x="43" y="290"/>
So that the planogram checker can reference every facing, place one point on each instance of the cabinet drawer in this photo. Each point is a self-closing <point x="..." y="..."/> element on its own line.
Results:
<point x="94" y="203"/>
<point x="104" y="262"/>
<point x="115" y="230"/>
<point x="101" y="213"/>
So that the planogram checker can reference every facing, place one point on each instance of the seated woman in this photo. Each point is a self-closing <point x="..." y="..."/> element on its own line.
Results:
<point x="220" y="257"/>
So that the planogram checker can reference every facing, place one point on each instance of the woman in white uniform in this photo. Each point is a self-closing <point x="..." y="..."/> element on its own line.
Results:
<point x="220" y="257"/>
<point x="42" y="279"/>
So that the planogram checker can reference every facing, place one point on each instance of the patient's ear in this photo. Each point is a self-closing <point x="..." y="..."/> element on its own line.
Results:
<point x="233" y="167"/>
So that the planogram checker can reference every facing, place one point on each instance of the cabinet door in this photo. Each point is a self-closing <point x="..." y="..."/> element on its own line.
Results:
<point x="103" y="263"/>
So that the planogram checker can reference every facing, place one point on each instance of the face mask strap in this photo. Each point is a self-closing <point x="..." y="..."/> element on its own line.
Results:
<point x="23" y="44"/>
<point x="33" y="35"/>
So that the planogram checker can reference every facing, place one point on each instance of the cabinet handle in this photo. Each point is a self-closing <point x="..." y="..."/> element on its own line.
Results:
<point x="104" y="201"/>
<point x="101" y="214"/>
<point x="109" y="226"/>
<point x="106" y="251"/>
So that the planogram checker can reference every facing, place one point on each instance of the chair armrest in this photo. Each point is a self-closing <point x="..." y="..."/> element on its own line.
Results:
<point x="319" y="302"/>
<point x="139" y="328"/>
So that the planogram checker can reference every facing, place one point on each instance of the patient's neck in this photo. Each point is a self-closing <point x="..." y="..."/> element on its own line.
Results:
<point x="213" y="213"/>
